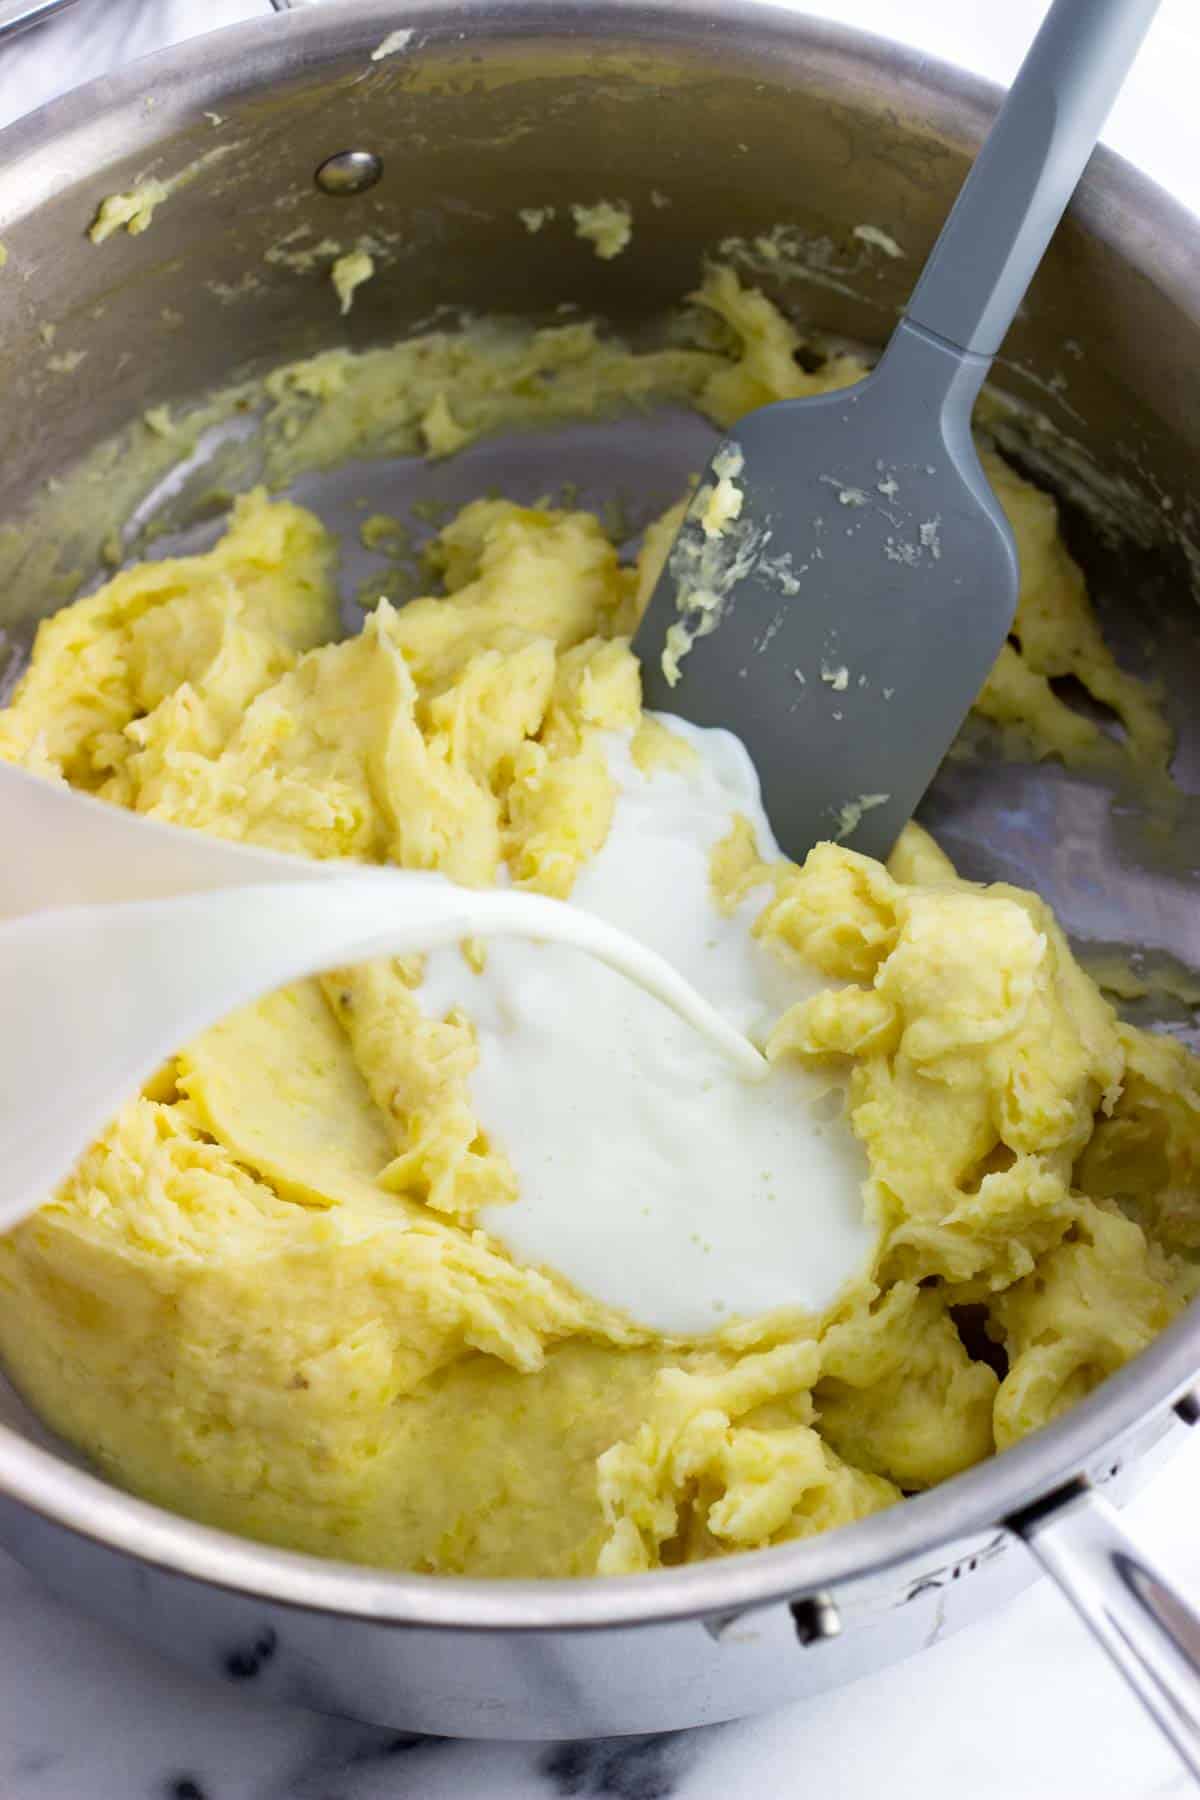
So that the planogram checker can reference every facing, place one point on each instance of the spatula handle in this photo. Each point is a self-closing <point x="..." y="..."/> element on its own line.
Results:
<point x="1022" y="179"/>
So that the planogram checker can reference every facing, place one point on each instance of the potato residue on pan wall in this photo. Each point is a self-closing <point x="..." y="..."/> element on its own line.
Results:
<point x="393" y="43"/>
<point x="348" y="274"/>
<point x="607" y="225"/>
<point x="134" y="209"/>
<point x="259" y="1299"/>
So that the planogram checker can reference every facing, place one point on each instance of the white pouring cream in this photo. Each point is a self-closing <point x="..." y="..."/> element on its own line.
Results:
<point x="651" y="1174"/>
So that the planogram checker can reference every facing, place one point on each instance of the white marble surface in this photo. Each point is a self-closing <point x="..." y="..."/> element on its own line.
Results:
<point x="1022" y="1705"/>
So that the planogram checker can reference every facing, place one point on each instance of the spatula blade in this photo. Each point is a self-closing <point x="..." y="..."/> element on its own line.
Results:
<point x="839" y="590"/>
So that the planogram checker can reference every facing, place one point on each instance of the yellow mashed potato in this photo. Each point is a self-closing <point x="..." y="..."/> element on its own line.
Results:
<point x="261" y="1298"/>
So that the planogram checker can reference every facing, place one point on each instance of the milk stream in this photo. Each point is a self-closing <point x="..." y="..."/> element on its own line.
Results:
<point x="651" y="1173"/>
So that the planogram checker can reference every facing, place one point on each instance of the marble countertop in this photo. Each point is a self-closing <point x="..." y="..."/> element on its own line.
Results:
<point x="1021" y="1705"/>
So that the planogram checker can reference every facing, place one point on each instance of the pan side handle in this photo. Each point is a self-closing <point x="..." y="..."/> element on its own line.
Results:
<point x="1149" y="1630"/>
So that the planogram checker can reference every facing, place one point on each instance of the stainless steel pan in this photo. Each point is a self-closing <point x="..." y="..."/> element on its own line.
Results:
<point x="742" y="114"/>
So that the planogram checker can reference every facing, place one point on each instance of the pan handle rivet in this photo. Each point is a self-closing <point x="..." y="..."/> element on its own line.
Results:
<point x="349" y="172"/>
<point x="1188" y="1407"/>
<point x="816" y="1619"/>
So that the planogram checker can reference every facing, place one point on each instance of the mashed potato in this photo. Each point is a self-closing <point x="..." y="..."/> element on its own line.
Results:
<point x="261" y="1299"/>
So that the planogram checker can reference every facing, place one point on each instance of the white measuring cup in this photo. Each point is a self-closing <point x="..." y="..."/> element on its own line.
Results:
<point x="121" y="938"/>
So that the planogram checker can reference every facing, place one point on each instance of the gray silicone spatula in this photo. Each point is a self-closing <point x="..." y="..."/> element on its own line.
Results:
<point x="845" y="578"/>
